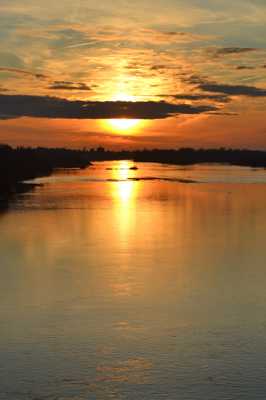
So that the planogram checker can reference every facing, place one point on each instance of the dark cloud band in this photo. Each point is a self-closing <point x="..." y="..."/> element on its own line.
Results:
<point x="15" y="106"/>
<point x="65" y="85"/>
<point x="233" y="90"/>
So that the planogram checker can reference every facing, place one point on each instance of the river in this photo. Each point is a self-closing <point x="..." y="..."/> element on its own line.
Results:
<point x="135" y="281"/>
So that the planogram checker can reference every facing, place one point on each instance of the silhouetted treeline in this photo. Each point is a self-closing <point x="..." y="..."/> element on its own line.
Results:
<point x="186" y="156"/>
<point x="17" y="165"/>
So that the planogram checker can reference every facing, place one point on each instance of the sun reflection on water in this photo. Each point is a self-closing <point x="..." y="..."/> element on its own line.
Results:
<point x="124" y="192"/>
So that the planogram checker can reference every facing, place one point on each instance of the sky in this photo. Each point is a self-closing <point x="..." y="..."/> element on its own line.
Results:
<point x="133" y="74"/>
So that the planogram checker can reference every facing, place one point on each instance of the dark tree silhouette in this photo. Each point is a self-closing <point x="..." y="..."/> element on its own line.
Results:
<point x="20" y="164"/>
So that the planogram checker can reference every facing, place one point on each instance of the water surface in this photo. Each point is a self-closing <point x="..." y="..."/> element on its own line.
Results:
<point x="119" y="283"/>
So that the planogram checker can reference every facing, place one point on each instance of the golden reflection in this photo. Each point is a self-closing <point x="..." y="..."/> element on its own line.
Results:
<point x="123" y="192"/>
<point x="123" y="189"/>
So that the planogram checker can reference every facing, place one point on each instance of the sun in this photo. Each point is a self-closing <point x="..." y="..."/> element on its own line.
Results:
<point x="122" y="124"/>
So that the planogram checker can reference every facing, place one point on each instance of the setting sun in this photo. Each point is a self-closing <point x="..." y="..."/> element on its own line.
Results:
<point x="122" y="124"/>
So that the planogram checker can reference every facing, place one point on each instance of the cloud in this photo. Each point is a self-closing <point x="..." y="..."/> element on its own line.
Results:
<point x="15" y="106"/>
<point x="201" y="96"/>
<point x="176" y="36"/>
<point x="65" y="85"/>
<point x="2" y="89"/>
<point x="23" y="72"/>
<point x="233" y="90"/>
<point x="244" y="67"/>
<point x="158" y="67"/>
<point x="224" y="51"/>
<point x="194" y="79"/>
<point x="77" y="36"/>
<point x="10" y="60"/>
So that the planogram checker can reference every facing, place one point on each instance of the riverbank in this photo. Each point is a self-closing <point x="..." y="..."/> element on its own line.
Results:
<point x="21" y="164"/>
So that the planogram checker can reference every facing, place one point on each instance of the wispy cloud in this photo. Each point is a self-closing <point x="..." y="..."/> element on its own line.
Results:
<point x="23" y="72"/>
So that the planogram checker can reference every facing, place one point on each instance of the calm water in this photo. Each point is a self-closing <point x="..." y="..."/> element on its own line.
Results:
<point x="117" y="287"/>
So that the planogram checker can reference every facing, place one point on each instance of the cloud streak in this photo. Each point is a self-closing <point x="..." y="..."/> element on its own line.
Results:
<point x="23" y="72"/>
<point x="223" y="51"/>
<point x="201" y="96"/>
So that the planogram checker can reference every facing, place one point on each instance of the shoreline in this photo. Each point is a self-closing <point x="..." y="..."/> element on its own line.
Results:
<point x="23" y="164"/>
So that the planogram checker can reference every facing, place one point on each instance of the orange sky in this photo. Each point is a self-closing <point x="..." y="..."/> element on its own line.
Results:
<point x="176" y="74"/>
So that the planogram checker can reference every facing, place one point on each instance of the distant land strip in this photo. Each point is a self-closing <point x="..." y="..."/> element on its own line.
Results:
<point x="20" y="164"/>
<point x="185" y="156"/>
